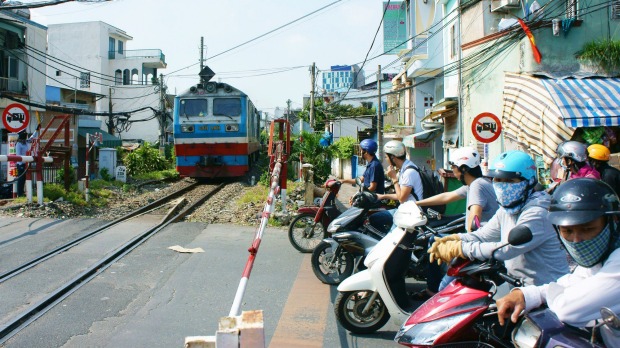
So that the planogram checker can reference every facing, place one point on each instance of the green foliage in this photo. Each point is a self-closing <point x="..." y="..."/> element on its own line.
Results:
<point x="604" y="53"/>
<point x="105" y="175"/>
<point x="331" y="111"/>
<point x="344" y="147"/>
<point x="387" y="128"/>
<point x="53" y="191"/>
<point x="315" y="154"/>
<point x="60" y="175"/>
<point x="158" y="175"/>
<point x="145" y="159"/>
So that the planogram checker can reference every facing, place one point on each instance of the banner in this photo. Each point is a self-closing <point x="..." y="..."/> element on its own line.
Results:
<point x="394" y="27"/>
<point x="12" y="166"/>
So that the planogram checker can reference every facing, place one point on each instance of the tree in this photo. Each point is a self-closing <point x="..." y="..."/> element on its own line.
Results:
<point x="330" y="111"/>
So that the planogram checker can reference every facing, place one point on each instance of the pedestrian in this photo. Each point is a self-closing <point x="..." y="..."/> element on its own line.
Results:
<point x="21" y="149"/>
<point x="599" y="157"/>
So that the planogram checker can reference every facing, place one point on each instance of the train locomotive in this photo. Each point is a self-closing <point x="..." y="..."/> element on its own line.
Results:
<point x="216" y="131"/>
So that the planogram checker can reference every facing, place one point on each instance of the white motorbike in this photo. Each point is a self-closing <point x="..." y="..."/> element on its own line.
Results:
<point x="367" y="299"/>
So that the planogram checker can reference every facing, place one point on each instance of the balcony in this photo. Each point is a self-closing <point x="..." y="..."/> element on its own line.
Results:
<point x="8" y="84"/>
<point x="151" y="58"/>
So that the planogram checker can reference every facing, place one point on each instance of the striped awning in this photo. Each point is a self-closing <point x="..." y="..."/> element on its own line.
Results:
<point x="531" y="117"/>
<point x="587" y="102"/>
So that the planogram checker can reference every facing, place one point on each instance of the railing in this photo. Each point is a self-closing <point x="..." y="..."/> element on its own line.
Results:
<point x="136" y="54"/>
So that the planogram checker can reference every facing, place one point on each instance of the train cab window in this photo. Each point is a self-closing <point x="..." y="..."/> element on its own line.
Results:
<point x="193" y="107"/>
<point x="226" y="107"/>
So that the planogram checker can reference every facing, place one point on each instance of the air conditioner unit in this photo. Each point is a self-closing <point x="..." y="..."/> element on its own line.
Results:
<point x="504" y="5"/>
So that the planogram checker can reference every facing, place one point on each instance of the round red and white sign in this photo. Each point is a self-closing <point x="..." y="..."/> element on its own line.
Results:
<point x="486" y="127"/>
<point x="15" y="118"/>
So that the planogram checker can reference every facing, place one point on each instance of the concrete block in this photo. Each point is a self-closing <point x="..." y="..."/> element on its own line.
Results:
<point x="199" y="342"/>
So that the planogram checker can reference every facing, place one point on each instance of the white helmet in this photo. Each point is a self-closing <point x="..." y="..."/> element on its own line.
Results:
<point x="467" y="156"/>
<point x="394" y="147"/>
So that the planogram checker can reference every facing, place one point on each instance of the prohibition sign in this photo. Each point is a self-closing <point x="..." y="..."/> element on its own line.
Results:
<point x="15" y="118"/>
<point x="486" y="127"/>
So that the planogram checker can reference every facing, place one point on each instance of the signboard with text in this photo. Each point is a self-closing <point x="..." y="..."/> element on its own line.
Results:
<point x="486" y="127"/>
<point x="394" y="26"/>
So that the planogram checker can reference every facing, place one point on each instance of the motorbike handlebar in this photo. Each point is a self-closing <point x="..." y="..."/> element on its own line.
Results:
<point x="511" y="280"/>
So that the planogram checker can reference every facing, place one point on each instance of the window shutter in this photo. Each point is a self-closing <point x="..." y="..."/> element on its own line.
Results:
<point x="615" y="9"/>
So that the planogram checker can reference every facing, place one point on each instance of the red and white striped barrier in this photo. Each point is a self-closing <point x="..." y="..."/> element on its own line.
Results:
<point x="15" y="158"/>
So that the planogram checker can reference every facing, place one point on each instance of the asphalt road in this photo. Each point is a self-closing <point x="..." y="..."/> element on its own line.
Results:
<point x="156" y="297"/>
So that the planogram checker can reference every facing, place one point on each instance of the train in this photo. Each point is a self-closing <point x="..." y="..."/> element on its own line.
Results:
<point x="216" y="131"/>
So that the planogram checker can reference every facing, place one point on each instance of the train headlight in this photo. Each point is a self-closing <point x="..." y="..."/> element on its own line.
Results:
<point x="232" y="127"/>
<point x="187" y="128"/>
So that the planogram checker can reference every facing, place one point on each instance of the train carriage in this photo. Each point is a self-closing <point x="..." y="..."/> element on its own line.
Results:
<point x="216" y="131"/>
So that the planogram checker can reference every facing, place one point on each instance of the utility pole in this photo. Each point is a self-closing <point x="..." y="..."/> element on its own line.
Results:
<point x="288" y="110"/>
<point x="312" y="82"/>
<point x="202" y="49"/>
<point x="110" y="118"/>
<point x="379" y="115"/>
<point x="162" y="110"/>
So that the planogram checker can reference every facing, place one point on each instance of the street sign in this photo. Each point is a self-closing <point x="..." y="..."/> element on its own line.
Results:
<point x="486" y="127"/>
<point x="15" y="118"/>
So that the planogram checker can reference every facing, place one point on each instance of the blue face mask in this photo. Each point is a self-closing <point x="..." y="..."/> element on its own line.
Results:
<point x="510" y="195"/>
<point x="588" y="253"/>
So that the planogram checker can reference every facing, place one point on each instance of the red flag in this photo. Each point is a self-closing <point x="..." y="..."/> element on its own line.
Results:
<point x="535" y="51"/>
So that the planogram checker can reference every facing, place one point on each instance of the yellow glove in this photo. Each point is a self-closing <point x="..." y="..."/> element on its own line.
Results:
<point x="448" y="237"/>
<point x="446" y="251"/>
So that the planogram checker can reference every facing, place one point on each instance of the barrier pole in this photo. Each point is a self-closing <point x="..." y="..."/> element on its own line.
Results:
<point x="267" y="210"/>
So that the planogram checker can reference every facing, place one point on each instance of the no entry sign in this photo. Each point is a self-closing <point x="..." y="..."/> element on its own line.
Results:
<point x="486" y="127"/>
<point x="15" y="118"/>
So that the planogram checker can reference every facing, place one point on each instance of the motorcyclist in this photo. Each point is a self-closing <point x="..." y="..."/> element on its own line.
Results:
<point x="373" y="177"/>
<point x="583" y="212"/>
<point x="481" y="206"/>
<point x="598" y="155"/>
<point x="537" y="262"/>
<point x="574" y="157"/>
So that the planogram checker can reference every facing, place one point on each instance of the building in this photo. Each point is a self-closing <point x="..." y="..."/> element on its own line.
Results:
<point x="94" y="57"/>
<point x="20" y="77"/>
<point x="342" y="77"/>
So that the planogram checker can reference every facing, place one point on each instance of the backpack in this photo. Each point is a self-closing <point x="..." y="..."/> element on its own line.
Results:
<point x="431" y="186"/>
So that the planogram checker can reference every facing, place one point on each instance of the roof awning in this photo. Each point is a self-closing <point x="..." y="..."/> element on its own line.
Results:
<point x="423" y="136"/>
<point x="446" y="107"/>
<point x="109" y="140"/>
<point x="587" y="102"/>
<point x="530" y="116"/>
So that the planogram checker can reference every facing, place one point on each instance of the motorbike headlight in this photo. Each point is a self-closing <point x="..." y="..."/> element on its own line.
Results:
<point x="426" y="333"/>
<point x="187" y="128"/>
<point x="526" y="334"/>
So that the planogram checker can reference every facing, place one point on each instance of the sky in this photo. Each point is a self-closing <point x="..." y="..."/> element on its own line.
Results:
<point x="340" y="34"/>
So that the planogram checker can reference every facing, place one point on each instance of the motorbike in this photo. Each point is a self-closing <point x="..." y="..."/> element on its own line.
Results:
<point x="366" y="300"/>
<point x="308" y="228"/>
<point x="464" y="313"/>
<point x="336" y="258"/>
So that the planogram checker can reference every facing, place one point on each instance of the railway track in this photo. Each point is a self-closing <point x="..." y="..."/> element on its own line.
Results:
<point x="193" y="197"/>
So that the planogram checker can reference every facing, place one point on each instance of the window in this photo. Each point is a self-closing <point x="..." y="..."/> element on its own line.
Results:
<point x="226" y="107"/>
<point x="453" y="43"/>
<point x="84" y="80"/>
<point x="118" y="77"/>
<point x="571" y="8"/>
<point x="111" y="50"/>
<point x="615" y="9"/>
<point x="126" y="77"/>
<point x="58" y="73"/>
<point x="193" y="107"/>
<point x="120" y="47"/>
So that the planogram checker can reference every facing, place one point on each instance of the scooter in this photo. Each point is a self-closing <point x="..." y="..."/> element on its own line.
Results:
<point x="308" y="228"/>
<point x="367" y="299"/>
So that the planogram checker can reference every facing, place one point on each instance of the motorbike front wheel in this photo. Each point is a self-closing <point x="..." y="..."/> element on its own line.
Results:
<point x="303" y="234"/>
<point x="349" y="307"/>
<point x="329" y="267"/>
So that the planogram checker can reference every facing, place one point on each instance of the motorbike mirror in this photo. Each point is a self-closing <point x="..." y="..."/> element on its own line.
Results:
<point x="519" y="235"/>
<point x="610" y="318"/>
<point x="358" y="183"/>
<point x="475" y="224"/>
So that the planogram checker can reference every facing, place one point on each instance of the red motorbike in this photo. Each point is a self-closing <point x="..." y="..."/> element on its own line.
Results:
<point x="463" y="311"/>
<point x="309" y="227"/>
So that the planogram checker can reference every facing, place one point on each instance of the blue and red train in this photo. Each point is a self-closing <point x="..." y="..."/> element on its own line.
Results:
<point x="216" y="131"/>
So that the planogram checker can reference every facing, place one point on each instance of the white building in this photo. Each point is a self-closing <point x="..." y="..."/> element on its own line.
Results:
<point x="93" y="57"/>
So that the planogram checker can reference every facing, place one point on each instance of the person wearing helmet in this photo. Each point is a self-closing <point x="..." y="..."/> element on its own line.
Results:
<point x="583" y="212"/>
<point x="373" y="177"/>
<point x="574" y="157"/>
<point x="540" y="261"/>
<point x="598" y="155"/>
<point x="407" y="183"/>
<point x="478" y="190"/>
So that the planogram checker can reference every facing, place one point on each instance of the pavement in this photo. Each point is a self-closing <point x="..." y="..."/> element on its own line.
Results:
<point x="344" y="195"/>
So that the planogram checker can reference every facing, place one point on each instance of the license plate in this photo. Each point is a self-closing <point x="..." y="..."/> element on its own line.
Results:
<point x="215" y="127"/>
<point x="203" y="127"/>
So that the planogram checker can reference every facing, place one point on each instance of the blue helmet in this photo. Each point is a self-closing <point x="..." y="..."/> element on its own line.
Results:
<point x="369" y="146"/>
<point x="513" y="164"/>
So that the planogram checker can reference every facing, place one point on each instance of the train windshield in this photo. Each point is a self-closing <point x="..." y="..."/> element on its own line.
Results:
<point x="226" y="107"/>
<point x="193" y="107"/>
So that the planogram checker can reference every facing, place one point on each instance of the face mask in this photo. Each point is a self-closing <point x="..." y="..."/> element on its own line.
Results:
<point x="588" y="253"/>
<point x="511" y="195"/>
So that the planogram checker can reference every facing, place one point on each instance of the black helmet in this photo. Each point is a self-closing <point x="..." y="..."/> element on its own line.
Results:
<point x="582" y="200"/>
